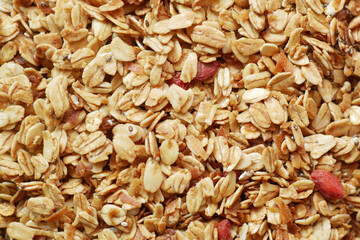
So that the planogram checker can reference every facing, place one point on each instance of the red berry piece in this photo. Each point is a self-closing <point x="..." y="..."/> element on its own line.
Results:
<point x="206" y="70"/>
<point x="176" y="80"/>
<point x="223" y="229"/>
<point x="327" y="184"/>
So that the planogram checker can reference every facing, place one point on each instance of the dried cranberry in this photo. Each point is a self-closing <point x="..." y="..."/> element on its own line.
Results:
<point x="206" y="70"/>
<point x="176" y="80"/>
<point x="223" y="229"/>
<point x="327" y="184"/>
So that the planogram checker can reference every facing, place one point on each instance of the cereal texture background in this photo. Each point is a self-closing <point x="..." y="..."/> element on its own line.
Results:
<point x="179" y="119"/>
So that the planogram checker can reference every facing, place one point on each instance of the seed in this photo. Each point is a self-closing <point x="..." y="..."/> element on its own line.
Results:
<point x="43" y="4"/>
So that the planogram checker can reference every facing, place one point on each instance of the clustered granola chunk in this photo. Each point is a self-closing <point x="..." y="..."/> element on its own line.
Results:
<point x="179" y="119"/>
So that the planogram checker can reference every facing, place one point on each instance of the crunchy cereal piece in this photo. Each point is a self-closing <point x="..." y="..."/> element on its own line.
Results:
<point x="124" y="147"/>
<point x="255" y="79"/>
<point x="169" y="151"/>
<point x="177" y="182"/>
<point x="255" y="95"/>
<point x="6" y="209"/>
<point x="319" y="144"/>
<point x="159" y="119"/>
<point x="275" y="110"/>
<point x="259" y="114"/>
<point x="269" y="49"/>
<point x="112" y="214"/>
<point x="57" y="94"/>
<point x="208" y="35"/>
<point x="312" y="74"/>
<point x="224" y="187"/>
<point x="299" y="115"/>
<point x="41" y="205"/>
<point x="248" y="47"/>
<point x="189" y="70"/>
<point x="194" y="198"/>
<point x="30" y="133"/>
<point x="355" y="115"/>
<point x="258" y="6"/>
<point x="182" y="20"/>
<point x="153" y="176"/>
<point x="18" y="230"/>
<point x="195" y="146"/>
<point x="122" y="51"/>
<point x="179" y="98"/>
<point x="49" y="38"/>
<point x="107" y="234"/>
<point x="267" y="191"/>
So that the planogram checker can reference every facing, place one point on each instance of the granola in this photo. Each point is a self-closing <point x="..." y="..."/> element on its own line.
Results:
<point x="166" y="120"/>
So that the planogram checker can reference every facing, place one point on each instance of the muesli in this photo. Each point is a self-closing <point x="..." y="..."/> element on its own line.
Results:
<point x="179" y="119"/>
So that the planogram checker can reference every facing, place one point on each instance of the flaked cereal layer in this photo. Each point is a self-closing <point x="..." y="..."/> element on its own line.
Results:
<point x="179" y="120"/>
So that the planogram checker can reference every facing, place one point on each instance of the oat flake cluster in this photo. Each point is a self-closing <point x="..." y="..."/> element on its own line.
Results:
<point x="179" y="119"/>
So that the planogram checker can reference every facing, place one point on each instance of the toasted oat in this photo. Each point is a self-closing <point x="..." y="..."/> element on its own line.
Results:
<point x="248" y="47"/>
<point x="208" y="35"/>
<point x="122" y="51"/>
